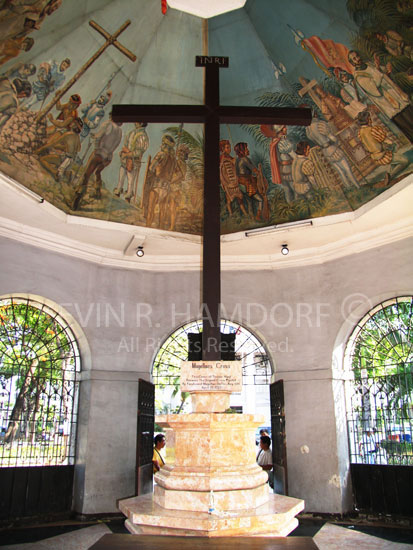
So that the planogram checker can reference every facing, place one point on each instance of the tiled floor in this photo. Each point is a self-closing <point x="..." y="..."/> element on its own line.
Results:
<point x="80" y="539"/>
<point x="328" y="536"/>
<point x="337" y="537"/>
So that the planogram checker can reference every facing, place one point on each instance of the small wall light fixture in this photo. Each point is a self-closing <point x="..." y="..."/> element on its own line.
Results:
<point x="284" y="250"/>
<point x="140" y="252"/>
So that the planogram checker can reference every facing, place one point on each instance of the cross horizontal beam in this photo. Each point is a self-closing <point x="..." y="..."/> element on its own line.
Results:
<point x="159" y="113"/>
<point x="199" y="113"/>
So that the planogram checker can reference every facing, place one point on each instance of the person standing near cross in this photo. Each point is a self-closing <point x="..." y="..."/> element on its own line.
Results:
<point x="157" y="183"/>
<point x="248" y="175"/>
<point x="135" y="144"/>
<point x="106" y="142"/>
<point x="229" y="180"/>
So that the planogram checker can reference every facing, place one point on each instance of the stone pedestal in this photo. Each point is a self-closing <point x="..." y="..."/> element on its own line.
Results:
<point x="213" y="452"/>
<point x="214" y="458"/>
<point x="214" y="486"/>
<point x="275" y="518"/>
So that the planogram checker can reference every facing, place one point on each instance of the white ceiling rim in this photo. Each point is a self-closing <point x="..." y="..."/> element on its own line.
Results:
<point x="355" y="232"/>
<point x="353" y="245"/>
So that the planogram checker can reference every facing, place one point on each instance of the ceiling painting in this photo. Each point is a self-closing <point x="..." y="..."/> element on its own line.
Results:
<point x="63" y="66"/>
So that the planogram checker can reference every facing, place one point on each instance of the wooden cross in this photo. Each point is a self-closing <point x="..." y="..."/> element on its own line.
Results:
<point x="211" y="114"/>
<point x="111" y="40"/>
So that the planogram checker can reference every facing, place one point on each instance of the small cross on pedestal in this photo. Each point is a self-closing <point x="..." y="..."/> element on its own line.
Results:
<point x="211" y="114"/>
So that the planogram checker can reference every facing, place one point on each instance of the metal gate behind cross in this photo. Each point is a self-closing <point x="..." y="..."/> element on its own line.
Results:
<point x="144" y="441"/>
<point x="279" y="444"/>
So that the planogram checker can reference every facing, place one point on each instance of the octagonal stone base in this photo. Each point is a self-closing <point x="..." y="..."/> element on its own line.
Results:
<point x="214" y="451"/>
<point x="241" y="499"/>
<point x="225" y="478"/>
<point x="274" y="518"/>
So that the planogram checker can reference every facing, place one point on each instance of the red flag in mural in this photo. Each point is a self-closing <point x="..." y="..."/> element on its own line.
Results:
<point x="328" y="52"/>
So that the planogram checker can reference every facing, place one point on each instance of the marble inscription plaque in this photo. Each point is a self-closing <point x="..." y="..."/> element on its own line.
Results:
<point x="211" y="376"/>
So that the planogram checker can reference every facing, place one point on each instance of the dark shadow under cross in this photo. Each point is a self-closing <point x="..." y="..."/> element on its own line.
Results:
<point x="211" y="114"/>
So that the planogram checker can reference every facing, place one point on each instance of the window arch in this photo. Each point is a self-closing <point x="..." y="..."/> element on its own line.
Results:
<point x="39" y="366"/>
<point x="379" y="394"/>
<point x="256" y="365"/>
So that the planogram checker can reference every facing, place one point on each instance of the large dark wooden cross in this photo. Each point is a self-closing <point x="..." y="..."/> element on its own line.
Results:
<point x="211" y="114"/>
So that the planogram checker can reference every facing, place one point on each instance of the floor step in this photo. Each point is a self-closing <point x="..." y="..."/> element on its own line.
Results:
<point x="157" y="542"/>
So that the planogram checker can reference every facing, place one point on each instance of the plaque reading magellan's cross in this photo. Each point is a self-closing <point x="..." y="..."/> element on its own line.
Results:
<point x="211" y="376"/>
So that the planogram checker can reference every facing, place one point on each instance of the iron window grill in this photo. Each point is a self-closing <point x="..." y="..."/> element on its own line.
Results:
<point x="380" y="392"/>
<point x="39" y="364"/>
<point x="166" y="368"/>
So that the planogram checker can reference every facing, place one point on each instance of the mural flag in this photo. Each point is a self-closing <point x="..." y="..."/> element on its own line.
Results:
<point x="328" y="52"/>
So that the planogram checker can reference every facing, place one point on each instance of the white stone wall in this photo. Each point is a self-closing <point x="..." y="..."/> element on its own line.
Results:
<point x="303" y="315"/>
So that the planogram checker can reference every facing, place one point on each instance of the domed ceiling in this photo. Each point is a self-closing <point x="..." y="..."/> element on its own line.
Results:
<point x="65" y="64"/>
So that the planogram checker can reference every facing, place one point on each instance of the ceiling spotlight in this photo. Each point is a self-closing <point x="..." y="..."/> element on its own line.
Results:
<point x="140" y="252"/>
<point x="284" y="250"/>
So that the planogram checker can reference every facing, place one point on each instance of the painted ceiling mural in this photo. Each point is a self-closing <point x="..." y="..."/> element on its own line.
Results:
<point x="63" y="64"/>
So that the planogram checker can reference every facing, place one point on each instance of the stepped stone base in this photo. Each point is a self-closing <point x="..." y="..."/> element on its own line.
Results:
<point x="214" y="465"/>
<point x="241" y="499"/>
<point x="274" y="518"/>
<point x="206" y="478"/>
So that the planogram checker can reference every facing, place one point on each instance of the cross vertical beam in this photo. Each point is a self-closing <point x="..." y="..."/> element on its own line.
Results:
<point x="211" y="265"/>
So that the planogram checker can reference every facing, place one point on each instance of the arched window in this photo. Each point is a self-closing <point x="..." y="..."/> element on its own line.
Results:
<point x="256" y="369"/>
<point x="379" y="356"/>
<point x="39" y="364"/>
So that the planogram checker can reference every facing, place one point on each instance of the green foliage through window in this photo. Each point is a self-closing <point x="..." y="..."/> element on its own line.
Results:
<point x="380" y="395"/>
<point x="39" y="359"/>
